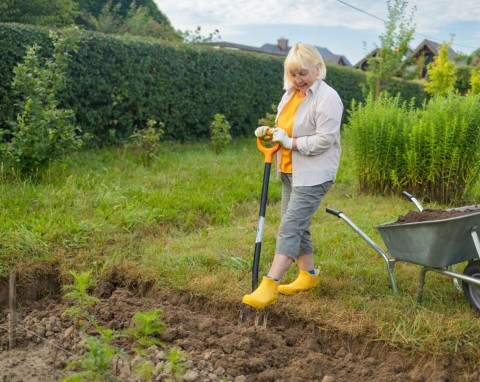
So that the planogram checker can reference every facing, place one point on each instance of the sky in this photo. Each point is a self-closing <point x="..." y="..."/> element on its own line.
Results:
<point x="345" y="27"/>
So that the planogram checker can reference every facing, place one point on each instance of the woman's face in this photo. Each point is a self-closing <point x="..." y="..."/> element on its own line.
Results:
<point x="302" y="79"/>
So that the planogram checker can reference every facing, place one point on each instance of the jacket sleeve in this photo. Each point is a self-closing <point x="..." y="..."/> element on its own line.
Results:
<point x="326" y="116"/>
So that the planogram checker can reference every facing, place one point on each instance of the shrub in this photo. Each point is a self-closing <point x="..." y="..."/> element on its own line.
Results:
<point x="269" y="118"/>
<point x="42" y="131"/>
<point x="220" y="133"/>
<point x="146" y="140"/>
<point x="433" y="152"/>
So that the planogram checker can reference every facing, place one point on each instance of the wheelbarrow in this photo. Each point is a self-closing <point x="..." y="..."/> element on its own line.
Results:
<point x="435" y="245"/>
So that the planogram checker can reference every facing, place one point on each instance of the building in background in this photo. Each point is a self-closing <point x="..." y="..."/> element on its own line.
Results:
<point x="424" y="54"/>
<point x="281" y="48"/>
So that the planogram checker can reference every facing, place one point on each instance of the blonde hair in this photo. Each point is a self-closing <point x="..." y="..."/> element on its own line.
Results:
<point x="301" y="57"/>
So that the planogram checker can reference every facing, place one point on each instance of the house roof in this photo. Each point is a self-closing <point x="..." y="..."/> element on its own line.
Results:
<point x="425" y="46"/>
<point x="326" y="54"/>
<point x="433" y="47"/>
<point x="279" y="50"/>
<point x="373" y="53"/>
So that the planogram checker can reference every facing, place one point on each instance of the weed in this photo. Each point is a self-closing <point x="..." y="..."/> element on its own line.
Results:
<point x="96" y="363"/>
<point x="175" y="365"/>
<point x="146" y="325"/>
<point x="78" y="293"/>
<point x="144" y="369"/>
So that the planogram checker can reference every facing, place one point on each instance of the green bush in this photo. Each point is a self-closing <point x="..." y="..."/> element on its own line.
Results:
<point x="42" y="131"/>
<point x="117" y="83"/>
<point x="433" y="151"/>
<point x="220" y="133"/>
<point x="146" y="141"/>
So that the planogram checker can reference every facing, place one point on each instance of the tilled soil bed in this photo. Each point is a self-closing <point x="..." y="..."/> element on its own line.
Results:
<point x="218" y="348"/>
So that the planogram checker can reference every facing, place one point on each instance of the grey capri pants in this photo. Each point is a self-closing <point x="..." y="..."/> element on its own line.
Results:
<point x="298" y="206"/>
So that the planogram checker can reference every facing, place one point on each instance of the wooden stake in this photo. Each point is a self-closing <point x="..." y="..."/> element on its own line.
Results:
<point x="12" y="304"/>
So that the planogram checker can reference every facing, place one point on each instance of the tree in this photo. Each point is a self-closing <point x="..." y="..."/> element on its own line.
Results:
<point x="390" y="60"/>
<point x="141" y="17"/>
<point x="39" y="12"/>
<point x="474" y="58"/>
<point x="475" y="80"/>
<point x="441" y="73"/>
<point x="43" y="130"/>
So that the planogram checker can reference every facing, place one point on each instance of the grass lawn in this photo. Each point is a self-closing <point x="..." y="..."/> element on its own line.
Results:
<point x="189" y="221"/>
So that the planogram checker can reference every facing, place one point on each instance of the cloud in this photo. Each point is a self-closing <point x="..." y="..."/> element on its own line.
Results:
<point x="429" y="14"/>
<point x="342" y="27"/>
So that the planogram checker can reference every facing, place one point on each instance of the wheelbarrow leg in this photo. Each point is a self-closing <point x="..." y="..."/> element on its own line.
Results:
<point x="389" y="262"/>
<point x="421" y="283"/>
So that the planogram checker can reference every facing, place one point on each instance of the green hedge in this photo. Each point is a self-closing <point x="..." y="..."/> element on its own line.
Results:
<point x="116" y="83"/>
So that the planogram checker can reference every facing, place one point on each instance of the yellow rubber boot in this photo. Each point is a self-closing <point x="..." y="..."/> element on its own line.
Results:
<point x="266" y="294"/>
<point x="304" y="281"/>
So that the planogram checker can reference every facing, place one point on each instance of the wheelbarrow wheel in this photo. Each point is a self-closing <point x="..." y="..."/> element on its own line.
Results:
<point x="472" y="292"/>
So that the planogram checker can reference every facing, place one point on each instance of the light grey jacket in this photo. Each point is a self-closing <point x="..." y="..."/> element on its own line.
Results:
<point x="317" y="129"/>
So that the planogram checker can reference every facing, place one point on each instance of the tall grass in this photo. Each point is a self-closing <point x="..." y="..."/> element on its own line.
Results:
<point x="188" y="222"/>
<point x="433" y="151"/>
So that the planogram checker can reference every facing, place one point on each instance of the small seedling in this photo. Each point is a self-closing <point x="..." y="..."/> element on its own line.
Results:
<point x="145" y="370"/>
<point x="78" y="293"/>
<point x="175" y="365"/>
<point x="146" y="140"/>
<point x="146" y="325"/>
<point x="96" y="363"/>
<point x="220" y="133"/>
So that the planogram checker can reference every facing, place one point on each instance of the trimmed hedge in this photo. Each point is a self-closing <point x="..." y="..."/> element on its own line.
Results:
<point x="117" y="83"/>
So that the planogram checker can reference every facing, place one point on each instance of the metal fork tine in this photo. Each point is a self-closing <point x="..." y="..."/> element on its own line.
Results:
<point x="265" y="318"/>
<point x="257" y="317"/>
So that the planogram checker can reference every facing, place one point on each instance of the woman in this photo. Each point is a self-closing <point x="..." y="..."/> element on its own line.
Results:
<point x="308" y="130"/>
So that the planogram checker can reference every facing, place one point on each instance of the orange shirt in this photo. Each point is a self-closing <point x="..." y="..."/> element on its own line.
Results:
<point x="285" y="121"/>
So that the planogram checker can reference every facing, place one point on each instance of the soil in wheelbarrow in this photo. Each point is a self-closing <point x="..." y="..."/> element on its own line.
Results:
<point x="431" y="215"/>
<point x="216" y="347"/>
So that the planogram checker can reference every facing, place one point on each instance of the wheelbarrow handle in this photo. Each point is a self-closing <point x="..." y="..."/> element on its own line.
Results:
<point x="333" y="212"/>
<point x="407" y="195"/>
<point x="413" y="199"/>
<point x="268" y="152"/>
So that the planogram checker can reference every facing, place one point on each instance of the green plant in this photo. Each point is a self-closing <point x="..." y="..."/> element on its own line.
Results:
<point x="144" y="369"/>
<point x="175" y="366"/>
<point x="269" y="118"/>
<point x="146" y="325"/>
<point x="146" y="141"/>
<point x="389" y="59"/>
<point x="475" y="80"/>
<point x="196" y="37"/>
<point x="220" y="133"/>
<point x="441" y="73"/>
<point x="432" y="152"/>
<point x="43" y="131"/>
<point x="78" y="294"/>
<point x="96" y="363"/>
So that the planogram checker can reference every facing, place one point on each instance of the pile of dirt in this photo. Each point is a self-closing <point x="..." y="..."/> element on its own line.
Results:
<point x="432" y="215"/>
<point x="218" y="348"/>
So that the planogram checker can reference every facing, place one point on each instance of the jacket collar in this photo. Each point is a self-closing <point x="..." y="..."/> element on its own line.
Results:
<point x="312" y="89"/>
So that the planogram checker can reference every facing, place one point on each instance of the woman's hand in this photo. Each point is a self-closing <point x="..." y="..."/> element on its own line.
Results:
<point x="261" y="131"/>
<point x="280" y="136"/>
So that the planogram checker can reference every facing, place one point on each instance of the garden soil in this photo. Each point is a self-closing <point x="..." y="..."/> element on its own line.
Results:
<point x="216" y="347"/>
<point x="432" y="214"/>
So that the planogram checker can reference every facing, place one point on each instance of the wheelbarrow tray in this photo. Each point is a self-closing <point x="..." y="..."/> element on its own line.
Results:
<point x="435" y="243"/>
